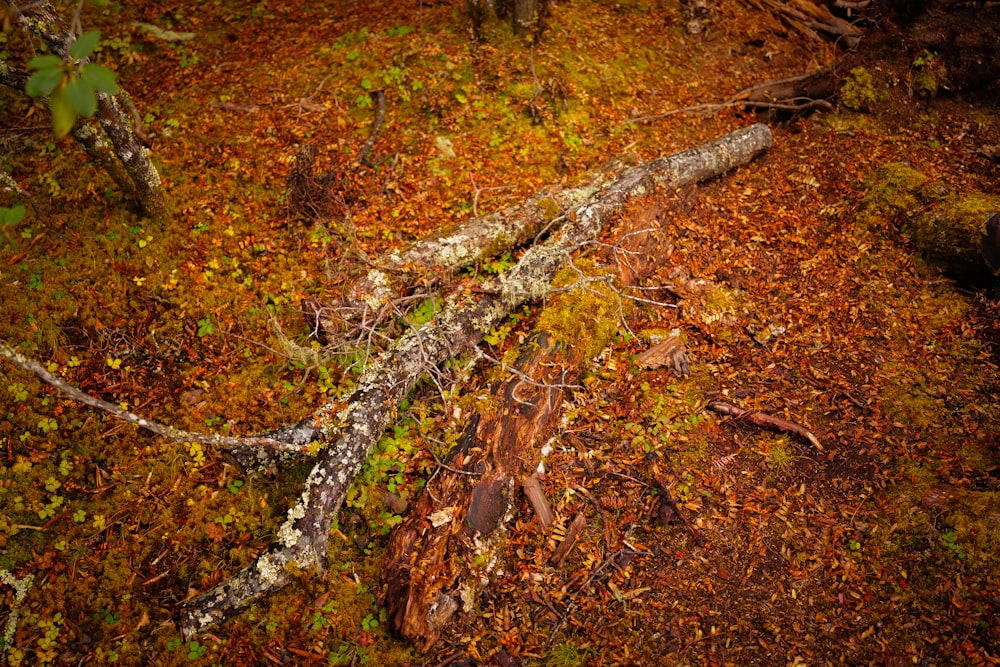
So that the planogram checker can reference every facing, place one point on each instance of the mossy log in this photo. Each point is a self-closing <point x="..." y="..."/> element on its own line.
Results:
<point x="955" y="231"/>
<point x="348" y="430"/>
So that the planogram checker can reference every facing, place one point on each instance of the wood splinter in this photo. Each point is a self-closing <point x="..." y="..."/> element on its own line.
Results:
<point x="572" y="533"/>
<point x="764" y="421"/>
<point x="535" y="493"/>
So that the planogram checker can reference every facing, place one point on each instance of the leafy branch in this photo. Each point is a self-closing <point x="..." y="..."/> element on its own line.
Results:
<point x="71" y="83"/>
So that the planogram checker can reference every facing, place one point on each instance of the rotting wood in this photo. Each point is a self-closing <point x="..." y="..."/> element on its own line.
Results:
<point x="431" y="572"/>
<point x="572" y="534"/>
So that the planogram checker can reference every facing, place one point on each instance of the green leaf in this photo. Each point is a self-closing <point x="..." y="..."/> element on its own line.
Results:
<point x="63" y="114"/>
<point x="81" y="96"/>
<point x="85" y="44"/>
<point x="12" y="215"/>
<point x="100" y="78"/>
<point x="45" y="62"/>
<point x="43" y="82"/>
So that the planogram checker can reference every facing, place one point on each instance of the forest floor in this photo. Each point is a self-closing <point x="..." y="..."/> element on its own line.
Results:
<point x="882" y="548"/>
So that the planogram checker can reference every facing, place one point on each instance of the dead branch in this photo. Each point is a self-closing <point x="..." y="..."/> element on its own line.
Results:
<point x="223" y="442"/>
<point x="796" y="94"/>
<point x="765" y="421"/>
<point x="348" y="432"/>
<point x="572" y="533"/>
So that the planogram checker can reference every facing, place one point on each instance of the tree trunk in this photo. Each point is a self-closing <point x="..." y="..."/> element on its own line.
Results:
<point x="42" y="20"/>
<point x="347" y="433"/>
<point x="525" y="17"/>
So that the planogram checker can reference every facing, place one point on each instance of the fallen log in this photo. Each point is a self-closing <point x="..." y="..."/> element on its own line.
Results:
<point x="585" y="219"/>
<point x="443" y="551"/>
<point x="347" y="430"/>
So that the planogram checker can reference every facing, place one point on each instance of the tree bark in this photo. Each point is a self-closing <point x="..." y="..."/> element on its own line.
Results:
<point x="347" y="432"/>
<point x="42" y="20"/>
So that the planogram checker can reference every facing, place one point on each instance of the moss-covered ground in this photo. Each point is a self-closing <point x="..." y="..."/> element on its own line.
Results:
<point x="882" y="549"/>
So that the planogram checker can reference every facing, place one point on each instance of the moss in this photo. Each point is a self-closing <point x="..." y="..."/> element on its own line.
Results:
<point x="859" y="92"/>
<point x="950" y="234"/>
<point x="893" y="189"/>
<point x="587" y="313"/>
<point x="925" y="84"/>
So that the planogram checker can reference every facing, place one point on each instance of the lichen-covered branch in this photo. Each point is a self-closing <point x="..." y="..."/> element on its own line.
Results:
<point x="449" y="250"/>
<point x="352" y="429"/>
<point x="284" y="444"/>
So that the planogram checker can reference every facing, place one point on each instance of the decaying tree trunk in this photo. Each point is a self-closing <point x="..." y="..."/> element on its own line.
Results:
<point x="127" y="160"/>
<point x="957" y="232"/>
<point x="348" y="430"/>
<point x="439" y="557"/>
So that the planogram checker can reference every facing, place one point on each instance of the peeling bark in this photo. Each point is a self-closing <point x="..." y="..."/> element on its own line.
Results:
<point x="348" y="431"/>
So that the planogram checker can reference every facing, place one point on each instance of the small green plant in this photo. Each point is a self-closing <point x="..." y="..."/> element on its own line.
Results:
<point x="196" y="650"/>
<point x="205" y="326"/>
<point x="71" y="84"/>
<point x="949" y="539"/>
<point x="565" y="654"/>
<point x="424" y="313"/>
<point x="12" y="215"/>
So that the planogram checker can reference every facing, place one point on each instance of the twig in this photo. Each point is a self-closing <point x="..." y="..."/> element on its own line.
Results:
<point x="475" y="196"/>
<point x="170" y="432"/>
<point x="764" y="421"/>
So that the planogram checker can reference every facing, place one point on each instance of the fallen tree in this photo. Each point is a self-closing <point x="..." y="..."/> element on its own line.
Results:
<point x="347" y="430"/>
<point x="441" y="555"/>
<point x="352" y="428"/>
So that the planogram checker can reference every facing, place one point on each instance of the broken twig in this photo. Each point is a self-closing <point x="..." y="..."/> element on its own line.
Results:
<point x="765" y="421"/>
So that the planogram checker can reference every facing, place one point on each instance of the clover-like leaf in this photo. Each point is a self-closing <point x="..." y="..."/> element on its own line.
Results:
<point x="100" y="78"/>
<point x="85" y="44"/>
<point x="12" y="215"/>
<point x="43" y="82"/>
